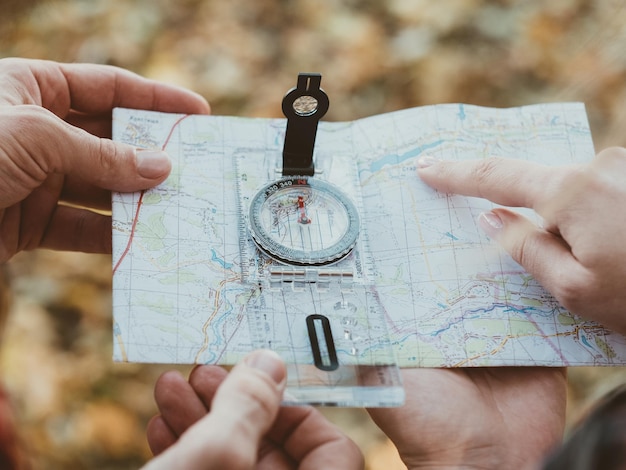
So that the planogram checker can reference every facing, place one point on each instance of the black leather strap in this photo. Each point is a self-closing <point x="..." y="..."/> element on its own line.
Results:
<point x="302" y="123"/>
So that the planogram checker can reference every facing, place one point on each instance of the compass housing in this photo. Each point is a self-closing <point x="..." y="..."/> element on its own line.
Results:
<point x="304" y="221"/>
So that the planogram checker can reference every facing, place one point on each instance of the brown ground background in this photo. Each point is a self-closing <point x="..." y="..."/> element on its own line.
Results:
<point x="78" y="409"/>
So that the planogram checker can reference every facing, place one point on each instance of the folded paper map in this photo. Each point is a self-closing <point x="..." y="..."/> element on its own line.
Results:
<point x="450" y="296"/>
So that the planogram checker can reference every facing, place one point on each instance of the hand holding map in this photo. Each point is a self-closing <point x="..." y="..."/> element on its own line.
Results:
<point x="56" y="169"/>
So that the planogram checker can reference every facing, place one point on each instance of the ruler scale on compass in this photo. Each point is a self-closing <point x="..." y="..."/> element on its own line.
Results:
<point x="303" y="246"/>
<point x="335" y="344"/>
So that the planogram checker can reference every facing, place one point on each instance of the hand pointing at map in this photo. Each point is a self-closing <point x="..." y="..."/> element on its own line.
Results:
<point x="579" y="254"/>
<point x="55" y="162"/>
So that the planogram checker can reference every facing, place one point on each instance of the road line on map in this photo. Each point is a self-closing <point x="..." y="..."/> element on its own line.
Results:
<point x="139" y="202"/>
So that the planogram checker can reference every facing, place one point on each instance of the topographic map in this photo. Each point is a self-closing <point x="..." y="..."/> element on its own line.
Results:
<point x="448" y="295"/>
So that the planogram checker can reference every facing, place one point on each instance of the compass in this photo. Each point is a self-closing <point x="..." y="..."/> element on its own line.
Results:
<point x="301" y="219"/>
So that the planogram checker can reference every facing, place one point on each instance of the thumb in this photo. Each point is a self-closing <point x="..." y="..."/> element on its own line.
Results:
<point x="242" y="412"/>
<point x="38" y="143"/>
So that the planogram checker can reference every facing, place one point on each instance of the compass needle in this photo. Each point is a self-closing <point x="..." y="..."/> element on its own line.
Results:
<point x="302" y="216"/>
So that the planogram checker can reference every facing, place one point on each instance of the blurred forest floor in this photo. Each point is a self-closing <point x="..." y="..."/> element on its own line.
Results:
<point x="77" y="408"/>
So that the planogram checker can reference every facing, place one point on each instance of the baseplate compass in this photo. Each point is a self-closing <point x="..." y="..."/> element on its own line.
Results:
<point x="303" y="246"/>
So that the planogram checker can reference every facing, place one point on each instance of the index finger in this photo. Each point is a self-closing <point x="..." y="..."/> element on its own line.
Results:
<point x="90" y="89"/>
<point x="96" y="89"/>
<point x="509" y="182"/>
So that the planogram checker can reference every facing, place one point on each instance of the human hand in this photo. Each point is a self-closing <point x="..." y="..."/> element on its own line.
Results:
<point x="579" y="254"/>
<point x="482" y="418"/>
<point x="11" y="453"/>
<point x="55" y="125"/>
<point x="219" y="420"/>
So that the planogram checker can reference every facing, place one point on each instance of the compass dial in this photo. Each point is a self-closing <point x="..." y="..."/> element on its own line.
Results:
<point x="304" y="221"/>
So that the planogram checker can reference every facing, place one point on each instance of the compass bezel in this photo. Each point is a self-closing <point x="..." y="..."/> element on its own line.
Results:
<point x="286" y="254"/>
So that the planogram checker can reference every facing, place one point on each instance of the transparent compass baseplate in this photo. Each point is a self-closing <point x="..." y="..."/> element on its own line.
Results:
<point x="304" y="252"/>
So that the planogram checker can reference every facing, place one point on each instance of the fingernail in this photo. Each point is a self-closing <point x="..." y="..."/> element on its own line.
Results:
<point x="268" y="362"/>
<point x="427" y="160"/>
<point x="491" y="223"/>
<point x="153" y="164"/>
